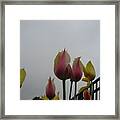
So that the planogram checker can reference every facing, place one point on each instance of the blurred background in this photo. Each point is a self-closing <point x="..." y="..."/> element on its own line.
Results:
<point x="41" y="40"/>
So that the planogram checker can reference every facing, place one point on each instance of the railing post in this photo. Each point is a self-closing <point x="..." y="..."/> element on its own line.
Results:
<point x="93" y="92"/>
<point x="96" y="91"/>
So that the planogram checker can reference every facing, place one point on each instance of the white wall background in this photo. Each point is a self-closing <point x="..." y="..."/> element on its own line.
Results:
<point x="40" y="41"/>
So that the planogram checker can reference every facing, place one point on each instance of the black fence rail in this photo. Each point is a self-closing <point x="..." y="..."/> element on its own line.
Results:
<point x="94" y="89"/>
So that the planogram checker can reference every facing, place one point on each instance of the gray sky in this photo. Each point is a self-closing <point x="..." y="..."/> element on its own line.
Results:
<point x="41" y="40"/>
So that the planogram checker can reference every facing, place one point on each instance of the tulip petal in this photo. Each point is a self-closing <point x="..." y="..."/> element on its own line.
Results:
<point x="82" y="67"/>
<point x="56" y="60"/>
<point x="67" y="56"/>
<point x="22" y="76"/>
<point x="68" y="71"/>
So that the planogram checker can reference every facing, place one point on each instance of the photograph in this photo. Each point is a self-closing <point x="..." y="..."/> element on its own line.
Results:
<point x="60" y="55"/>
<point x="59" y="59"/>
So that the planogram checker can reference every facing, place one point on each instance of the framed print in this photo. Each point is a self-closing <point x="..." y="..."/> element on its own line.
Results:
<point x="60" y="59"/>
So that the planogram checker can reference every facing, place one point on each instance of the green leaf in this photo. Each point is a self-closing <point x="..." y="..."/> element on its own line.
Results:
<point x="82" y="89"/>
<point x="90" y="70"/>
<point x="56" y="97"/>
<point x="44" y="97"/>
<point x="88" y="84"/>
<point x="22" y="76"/>
<point x="85" y="79"/>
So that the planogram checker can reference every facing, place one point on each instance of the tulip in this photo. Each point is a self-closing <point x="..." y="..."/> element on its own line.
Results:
<point x="61" y="65"/>
<point x="62" y="68"/>
<point x="86" y="95"/>
<point x="50" y="89"/>
<point x="89" y="72"/>
<point x="76" y="70"/>
<point x="76" y="73"/>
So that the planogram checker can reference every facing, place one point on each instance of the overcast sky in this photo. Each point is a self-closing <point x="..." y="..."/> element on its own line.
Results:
<point x="41" y="40"/>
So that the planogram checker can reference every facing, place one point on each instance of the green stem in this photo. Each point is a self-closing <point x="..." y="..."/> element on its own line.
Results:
<point x="75" y="88"/>
<point x="64" y="92"/>
<point x="70" y="89"/>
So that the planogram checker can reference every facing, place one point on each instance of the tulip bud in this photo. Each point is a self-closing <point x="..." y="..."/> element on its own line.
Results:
<point x="76" y="70"/>
<point x="86" y="95"/>
<point x="62" y="66"/>
<point x="50" y="89"/>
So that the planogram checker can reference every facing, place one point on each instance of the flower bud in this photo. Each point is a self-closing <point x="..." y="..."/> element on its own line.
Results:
<point x="76" y="70"/>
<point x="50" y="89"/>
<point x="62" y="66"/>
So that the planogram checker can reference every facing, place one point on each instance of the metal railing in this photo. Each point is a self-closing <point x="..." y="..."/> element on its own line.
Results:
<point x="94" y="89"/>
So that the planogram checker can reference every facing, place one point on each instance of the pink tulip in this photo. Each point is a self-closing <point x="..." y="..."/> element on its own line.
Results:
<point x="50" y="89"/>
<point x="62" y="67"/>
<point x="76" y="70"/>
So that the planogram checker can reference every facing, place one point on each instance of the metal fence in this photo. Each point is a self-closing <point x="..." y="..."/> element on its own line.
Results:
<point x="94" y="89"/>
